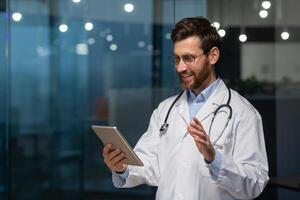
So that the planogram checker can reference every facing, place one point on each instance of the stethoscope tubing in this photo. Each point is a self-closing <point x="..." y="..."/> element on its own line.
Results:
<point x="163" y="129"/>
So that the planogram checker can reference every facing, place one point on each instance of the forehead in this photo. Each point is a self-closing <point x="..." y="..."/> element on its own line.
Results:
<point x="189" y="45"/>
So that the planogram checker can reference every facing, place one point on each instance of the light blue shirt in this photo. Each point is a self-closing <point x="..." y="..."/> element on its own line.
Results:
<point x="194" y="104"/>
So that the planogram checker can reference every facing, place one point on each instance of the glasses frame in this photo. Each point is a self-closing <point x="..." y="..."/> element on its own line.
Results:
<point x="188" y="59"/>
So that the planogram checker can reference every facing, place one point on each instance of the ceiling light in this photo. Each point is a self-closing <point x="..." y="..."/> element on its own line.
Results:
<point x="113" y="47"/>
<point x="63" y="28"/>
<point x="141" y="44"/>
<point x="243" y="37"/>
<point x="82" y="49"/>
<point x="17" y="16"/>
<point x="129" y="7"/>
<point x="91" y="41"/>
<point x="263" y="13"/>
<point x="222" y="32"/>
<point x="109" y="38"/>
<point x="216" y="25"/>
<point x="88" y="26"/>
<point x="285" y="35"/>
<point x="150" y="47"/>
<point x="266" y="4"/>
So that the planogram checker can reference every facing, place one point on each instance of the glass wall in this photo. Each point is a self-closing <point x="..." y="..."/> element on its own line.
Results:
<point x="68" y="64"/>
<point x="3" y="101"/>
<point x="260" y="61"/>
<point x="287" y="77"/>
<point x="72" y="64"/>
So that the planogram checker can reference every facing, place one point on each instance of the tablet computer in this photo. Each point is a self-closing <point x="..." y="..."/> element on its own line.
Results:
<point x="111" y="135"/>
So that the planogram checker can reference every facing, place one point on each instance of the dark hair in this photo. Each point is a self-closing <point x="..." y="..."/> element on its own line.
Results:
<point x="199" y="27"/>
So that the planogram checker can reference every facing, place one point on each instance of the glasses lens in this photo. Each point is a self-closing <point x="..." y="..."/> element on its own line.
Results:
<point x="188" y="59"/>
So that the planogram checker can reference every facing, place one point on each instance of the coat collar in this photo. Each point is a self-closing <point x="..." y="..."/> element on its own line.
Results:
<point x="217" y="98"/>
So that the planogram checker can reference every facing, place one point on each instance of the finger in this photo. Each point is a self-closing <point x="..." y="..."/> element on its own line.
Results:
<point x="201" y="136"/>
<point x="204" y="142"/>
<point x="118" y="166"/>
<point x="193" y="130"/>
<point x="197" y="121"/>
<point x="117" y="158"/>
<point x="196" y="126"/>
<point x="113" y="154"/>
<point x="107" y="148"/>
<point x="195" y="133"/>
<point x="121" y="165"/>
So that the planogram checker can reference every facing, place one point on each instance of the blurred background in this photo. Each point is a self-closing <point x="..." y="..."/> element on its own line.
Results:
<point x="68" y="64"/>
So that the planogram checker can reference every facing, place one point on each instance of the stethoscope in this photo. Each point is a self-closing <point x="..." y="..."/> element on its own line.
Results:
<point x="163" y="129"/>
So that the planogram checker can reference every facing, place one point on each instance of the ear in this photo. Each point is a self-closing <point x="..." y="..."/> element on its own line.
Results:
<point x="214" y="55"/>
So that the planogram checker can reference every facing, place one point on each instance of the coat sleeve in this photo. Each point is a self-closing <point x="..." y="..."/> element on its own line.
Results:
<point x="244" y="169"/>
<point x="146" y="149"/>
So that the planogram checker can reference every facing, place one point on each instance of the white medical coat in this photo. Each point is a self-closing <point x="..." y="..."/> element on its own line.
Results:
<point x="173" y="163"/>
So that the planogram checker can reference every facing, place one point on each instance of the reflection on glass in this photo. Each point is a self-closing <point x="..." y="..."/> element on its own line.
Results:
<point x="16" y="16"/>
<point x="88" y="26"/>
<point x="285" y="35"/>
<point x="263" y="13"/>
<point x="266" y="4"/>
<point x="63" y="28"/>
<point x="77" y="63"/>
<point x="4" y="101"/>
<point x="243" y="37"/>
<point x="129" y="7"/>
<point x="222" y="32"/>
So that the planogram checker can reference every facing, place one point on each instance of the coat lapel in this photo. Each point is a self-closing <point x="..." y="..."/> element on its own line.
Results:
<point x="183" y="109"/>
<point x="205" y="113"/>
<point x="217" y="98"/>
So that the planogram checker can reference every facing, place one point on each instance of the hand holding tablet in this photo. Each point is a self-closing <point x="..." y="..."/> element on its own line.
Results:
<point x="111" y="135"/>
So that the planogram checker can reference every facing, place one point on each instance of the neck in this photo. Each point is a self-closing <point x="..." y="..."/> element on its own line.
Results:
<point x="212" y="78"/>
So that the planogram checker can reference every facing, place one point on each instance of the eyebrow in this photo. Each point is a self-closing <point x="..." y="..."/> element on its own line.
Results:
<point x="185" y="53"/>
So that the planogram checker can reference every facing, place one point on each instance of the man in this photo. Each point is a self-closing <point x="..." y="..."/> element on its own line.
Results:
<point x="214" y="146"/>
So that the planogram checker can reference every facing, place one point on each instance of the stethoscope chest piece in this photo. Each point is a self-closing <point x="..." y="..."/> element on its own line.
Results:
<point x="163" y="129"/>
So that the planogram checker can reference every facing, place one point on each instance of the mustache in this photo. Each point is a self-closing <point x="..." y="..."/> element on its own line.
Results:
<point x="185" y="74"/>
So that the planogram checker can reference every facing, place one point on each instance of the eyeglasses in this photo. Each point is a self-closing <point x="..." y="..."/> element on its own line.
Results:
<point x="188" y="59"/>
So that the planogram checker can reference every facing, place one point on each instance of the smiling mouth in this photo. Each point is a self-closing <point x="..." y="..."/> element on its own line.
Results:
<point x="185" y="76"/>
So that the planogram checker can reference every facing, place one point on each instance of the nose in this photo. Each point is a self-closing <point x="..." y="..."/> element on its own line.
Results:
<point x="181" y="67"/>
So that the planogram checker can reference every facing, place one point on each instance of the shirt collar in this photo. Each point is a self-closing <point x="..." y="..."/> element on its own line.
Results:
<point x="204" y="94"/>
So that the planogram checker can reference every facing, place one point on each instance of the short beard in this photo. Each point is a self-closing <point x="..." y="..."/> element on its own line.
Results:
<point x="200" y="80"/>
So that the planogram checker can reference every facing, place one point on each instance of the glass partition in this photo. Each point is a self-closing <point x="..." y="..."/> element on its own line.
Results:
<point x="68" y="64"/>
<point x="261" y="44"/>
<point x="287" y="77"/>
<point x="3" y="101"/>
<point x="77" y="63"/>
